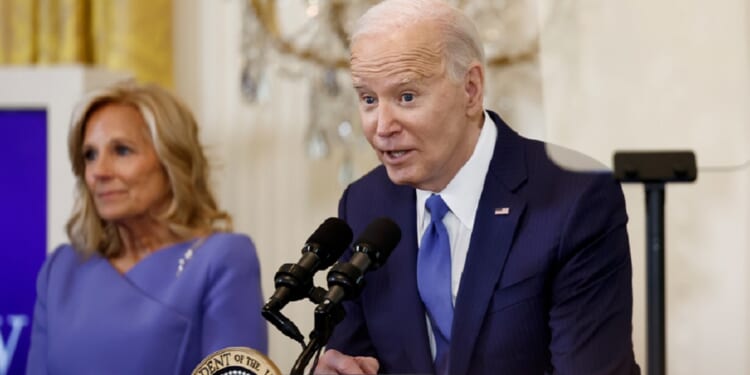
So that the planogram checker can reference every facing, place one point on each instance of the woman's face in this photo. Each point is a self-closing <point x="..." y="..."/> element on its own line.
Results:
<point x="122" y="170"/>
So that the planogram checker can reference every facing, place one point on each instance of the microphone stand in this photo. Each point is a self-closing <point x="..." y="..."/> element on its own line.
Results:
<point x="327" y="316"/>
<point x="345" y="281"/>
<point x="654" y="170"/>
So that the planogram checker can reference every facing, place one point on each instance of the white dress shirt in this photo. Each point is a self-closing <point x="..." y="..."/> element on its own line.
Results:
<point x="462" y="197"/>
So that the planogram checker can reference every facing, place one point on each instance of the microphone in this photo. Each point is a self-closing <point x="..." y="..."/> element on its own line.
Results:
<point x="345" y="281"/>
<point x="371" y="250"/>
<point x="295" y="281"/>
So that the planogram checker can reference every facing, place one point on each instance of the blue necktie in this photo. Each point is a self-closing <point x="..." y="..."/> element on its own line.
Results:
<point x="434" y="280"/>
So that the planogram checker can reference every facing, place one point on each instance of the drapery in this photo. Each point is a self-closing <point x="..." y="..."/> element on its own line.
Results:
<point x="131" y="35"/>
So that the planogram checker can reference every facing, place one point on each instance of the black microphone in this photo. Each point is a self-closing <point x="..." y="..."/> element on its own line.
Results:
<point x="371" y="250"/>
<point x="345" y="281"/>
<point x="295" y="281"/>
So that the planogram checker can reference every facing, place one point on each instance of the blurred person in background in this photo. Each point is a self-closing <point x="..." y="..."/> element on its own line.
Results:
<point x="153" y="280"/>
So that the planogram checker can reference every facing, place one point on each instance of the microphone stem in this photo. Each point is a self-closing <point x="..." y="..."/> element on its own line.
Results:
<point x="307" y="352"/>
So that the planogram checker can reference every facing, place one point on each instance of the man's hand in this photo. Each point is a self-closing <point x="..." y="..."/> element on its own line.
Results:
<point x="334" y="362"/>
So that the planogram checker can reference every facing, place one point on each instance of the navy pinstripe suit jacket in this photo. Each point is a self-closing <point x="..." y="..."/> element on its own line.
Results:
<point x="545" y="289"/>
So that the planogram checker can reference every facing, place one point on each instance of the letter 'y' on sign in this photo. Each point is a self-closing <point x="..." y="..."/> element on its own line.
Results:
<point x="7" y="348"/>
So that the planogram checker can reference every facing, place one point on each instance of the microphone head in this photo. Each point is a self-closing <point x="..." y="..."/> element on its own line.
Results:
<point x="330" y="240"/>
<point x="378" y="240"/>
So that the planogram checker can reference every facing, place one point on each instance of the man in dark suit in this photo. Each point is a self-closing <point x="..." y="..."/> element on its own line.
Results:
<point x="508" y="263"/>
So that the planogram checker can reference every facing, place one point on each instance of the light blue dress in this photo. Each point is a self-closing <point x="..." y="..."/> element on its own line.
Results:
<point x="90" y="319"/>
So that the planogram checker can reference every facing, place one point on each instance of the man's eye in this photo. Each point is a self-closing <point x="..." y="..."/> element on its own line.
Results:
<point x="407" y="97"/>
<point x="368" y="99"/>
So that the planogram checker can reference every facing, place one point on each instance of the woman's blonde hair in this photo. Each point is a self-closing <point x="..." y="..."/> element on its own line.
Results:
<point x="174" y="133"/>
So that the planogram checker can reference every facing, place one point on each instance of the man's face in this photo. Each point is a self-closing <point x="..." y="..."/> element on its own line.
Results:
<point x="414" y="116"/>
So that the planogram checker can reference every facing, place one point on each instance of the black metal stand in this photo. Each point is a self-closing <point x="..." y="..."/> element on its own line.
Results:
<point x="654" y="170"/>
<point x="655" y="296"/>
<point x="345" y="281"/>
<point x="327" y="316"/>
<point x="304" y="358"/>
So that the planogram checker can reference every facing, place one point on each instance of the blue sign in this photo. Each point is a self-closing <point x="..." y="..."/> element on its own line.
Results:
<point x="23" y="228"/>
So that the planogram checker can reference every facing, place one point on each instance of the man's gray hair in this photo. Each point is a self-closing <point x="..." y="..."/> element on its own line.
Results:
<point x="459" y="34"/>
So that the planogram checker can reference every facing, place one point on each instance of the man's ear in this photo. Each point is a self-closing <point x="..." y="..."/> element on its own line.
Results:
<point x="474" y="89"/>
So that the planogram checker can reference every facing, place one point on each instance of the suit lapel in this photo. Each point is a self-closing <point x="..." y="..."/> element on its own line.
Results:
<point x="413" y="338"/>
<point x="490" y="243"/>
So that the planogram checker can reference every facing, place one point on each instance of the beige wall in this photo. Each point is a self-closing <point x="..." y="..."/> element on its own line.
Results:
<point x="625" y="75"/>
<point x="670" y="74"/>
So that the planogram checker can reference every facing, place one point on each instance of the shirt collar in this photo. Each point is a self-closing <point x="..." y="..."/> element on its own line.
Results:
<point x="463" y="192"/>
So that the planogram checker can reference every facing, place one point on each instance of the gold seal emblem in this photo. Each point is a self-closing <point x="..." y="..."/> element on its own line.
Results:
<point x="236" y="361"/>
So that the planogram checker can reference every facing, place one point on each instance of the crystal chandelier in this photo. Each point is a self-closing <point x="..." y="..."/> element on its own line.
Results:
<point x="308" y="39"/>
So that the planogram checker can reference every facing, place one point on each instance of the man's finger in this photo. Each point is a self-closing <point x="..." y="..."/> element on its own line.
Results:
<point x="335" y="362"/>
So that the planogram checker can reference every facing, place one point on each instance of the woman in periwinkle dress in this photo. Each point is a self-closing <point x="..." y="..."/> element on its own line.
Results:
<point x="152" y="281"/>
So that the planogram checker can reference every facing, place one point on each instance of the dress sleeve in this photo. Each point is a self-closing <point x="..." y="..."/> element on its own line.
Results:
<point x="37" y="360"/>
<point x="232" y="306"/>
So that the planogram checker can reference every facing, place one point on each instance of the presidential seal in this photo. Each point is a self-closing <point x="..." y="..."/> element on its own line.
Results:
<point x="236" y="361"/>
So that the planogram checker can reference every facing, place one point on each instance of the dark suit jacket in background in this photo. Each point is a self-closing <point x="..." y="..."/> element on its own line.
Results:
<point x="545" y="289"/>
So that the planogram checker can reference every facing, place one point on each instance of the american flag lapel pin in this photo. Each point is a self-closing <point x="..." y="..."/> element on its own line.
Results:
<point x="502" y="211"/>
